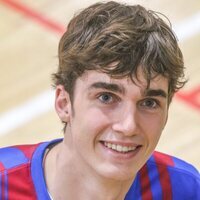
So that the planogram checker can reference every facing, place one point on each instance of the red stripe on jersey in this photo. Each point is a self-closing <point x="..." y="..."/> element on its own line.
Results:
<point x="145" y="184"/>
<point x="2" y="183"/>
<point x="163" y="161"/>
<point x="20" y="183"/>
<point x="2" y="186"/>
<point x="1" y="166"/>
<point x="163" y="158"/>
<point x="28" y="150"/>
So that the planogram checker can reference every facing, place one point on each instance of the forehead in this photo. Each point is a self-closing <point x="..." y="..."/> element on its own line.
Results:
<point x="90" y="77"/>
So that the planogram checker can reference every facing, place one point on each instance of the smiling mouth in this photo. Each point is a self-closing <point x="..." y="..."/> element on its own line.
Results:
<point x="119" y="148"/>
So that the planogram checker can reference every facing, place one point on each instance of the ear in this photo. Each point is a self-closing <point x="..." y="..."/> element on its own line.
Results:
<point x="63" y="104"/>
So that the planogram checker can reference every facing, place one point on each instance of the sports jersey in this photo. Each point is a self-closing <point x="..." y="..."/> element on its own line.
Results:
<point x="163" y="177"/>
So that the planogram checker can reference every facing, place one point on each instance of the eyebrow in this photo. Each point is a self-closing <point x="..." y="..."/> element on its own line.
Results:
<point x="108" y="86"/>
<point x="119" y="88"/>
<point x="154" y="92"/>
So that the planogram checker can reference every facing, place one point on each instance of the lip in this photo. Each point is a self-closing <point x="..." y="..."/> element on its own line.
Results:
<point x="121" y="155"/>
<point x="127" y="144"/>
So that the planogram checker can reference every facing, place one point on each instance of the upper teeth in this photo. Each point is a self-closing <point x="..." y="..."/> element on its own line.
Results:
<point x="118" y="147"/>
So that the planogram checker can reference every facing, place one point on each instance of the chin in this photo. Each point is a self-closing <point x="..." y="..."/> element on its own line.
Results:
<point x="118" y="173"/>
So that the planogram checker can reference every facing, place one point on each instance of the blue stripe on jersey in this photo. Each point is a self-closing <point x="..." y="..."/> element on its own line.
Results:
<point x="37" y="172"/>
<point x="135" y="190"/>
<point x="185" y="182"/>
<point x="11" y="157"/>
<point x="156" y="188"/>
<point x="5" y="185"/>
<point x="184" y="186"/>
<point x="182" y="165"/>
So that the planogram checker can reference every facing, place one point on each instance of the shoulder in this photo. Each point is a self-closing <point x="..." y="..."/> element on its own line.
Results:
<point x="173" y="164"/>
<point x="165" y="177"/>
<point x="21" y="172"/>
<point x="15" y="156"/>
<point x="15" y="172"/>
<point x="183" y="178"/>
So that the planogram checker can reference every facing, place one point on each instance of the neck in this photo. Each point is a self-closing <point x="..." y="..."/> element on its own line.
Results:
<point x="75" y="183"/>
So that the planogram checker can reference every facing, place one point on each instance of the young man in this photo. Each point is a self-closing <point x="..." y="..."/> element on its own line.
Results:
<point x="119" y="67"/>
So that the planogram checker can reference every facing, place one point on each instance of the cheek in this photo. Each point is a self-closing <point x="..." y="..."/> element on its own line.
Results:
<point x="86" y="131"/>
<point x="91" y="123"/>
<point x="97" y="121"/>
<point x="154" y="126"/>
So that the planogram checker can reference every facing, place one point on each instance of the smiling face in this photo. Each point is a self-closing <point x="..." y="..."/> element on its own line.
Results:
<point x="113" y="124"/>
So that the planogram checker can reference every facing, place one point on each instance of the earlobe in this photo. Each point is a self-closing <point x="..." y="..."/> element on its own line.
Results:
<point x="62" y="104"/>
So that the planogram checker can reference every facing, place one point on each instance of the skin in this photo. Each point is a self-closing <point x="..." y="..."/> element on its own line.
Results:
<point x="105" y="110"/>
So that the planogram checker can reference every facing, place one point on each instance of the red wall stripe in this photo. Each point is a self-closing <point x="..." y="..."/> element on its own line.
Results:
<point x="192" y="97"/>
<point x="35" y="16"/>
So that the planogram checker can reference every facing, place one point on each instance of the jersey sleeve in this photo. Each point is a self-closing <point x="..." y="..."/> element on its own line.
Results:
<point x="15" y="177"/>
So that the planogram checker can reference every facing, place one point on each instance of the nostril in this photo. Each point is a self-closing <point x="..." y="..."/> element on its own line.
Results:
<point x="128" y="128"/>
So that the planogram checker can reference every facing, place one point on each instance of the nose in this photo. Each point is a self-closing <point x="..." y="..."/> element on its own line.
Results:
<point x="127" y="122"/>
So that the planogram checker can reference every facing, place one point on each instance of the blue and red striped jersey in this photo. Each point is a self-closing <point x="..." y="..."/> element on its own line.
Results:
<point x="163" y="177"/>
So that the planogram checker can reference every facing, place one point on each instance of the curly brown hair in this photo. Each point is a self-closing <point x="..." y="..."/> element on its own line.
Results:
<point x="129" y="35"/>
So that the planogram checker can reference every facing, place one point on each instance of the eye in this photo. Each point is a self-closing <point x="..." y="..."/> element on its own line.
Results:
<point x="149" y="103"/>
<point x="107" y="98"/>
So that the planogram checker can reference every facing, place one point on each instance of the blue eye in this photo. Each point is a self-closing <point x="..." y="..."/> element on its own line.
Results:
<point x="149" y="103"/>
<point x="106" y="98"/>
